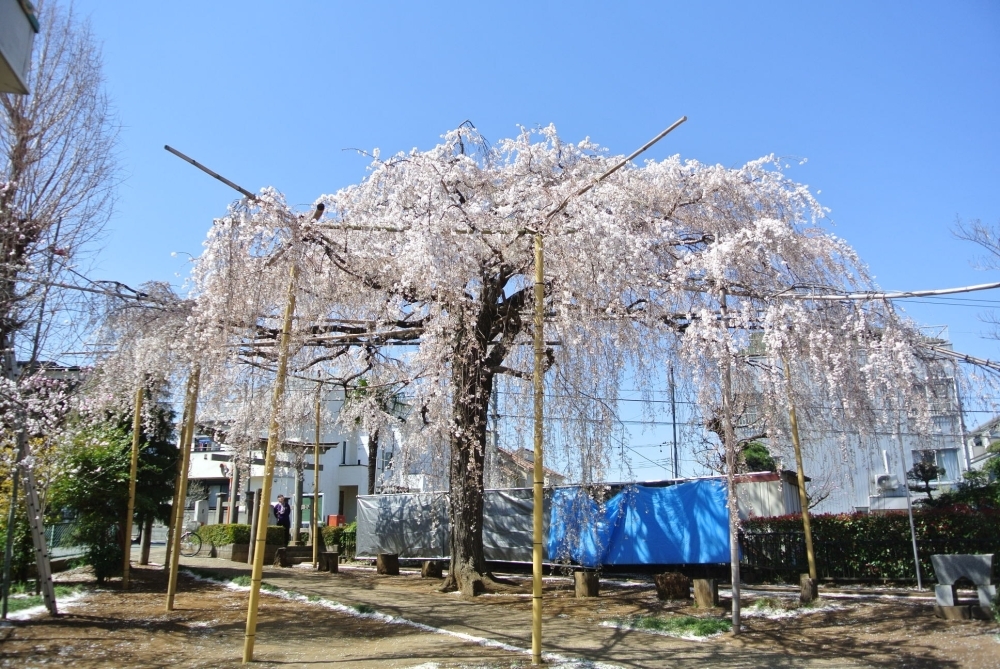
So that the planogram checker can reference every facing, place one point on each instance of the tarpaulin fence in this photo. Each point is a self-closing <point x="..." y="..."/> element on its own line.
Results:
<point x="639" y="525"/>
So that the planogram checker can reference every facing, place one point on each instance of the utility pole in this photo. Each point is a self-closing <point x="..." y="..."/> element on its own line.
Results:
<point x="315" y="497"/>
<point x="673" y="422"/>
<point x="729" y="437"/>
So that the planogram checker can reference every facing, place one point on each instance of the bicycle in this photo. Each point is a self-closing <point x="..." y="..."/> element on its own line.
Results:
<point x="190" y="543"/>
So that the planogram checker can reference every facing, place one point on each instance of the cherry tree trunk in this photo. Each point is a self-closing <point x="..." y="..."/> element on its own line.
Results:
<point x="473" y="383"/>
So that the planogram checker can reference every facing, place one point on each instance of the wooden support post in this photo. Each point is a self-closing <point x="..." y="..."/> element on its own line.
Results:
<point x="588" y="584"/>
<point x="269" y="457"/>
<point x="133" y="472"/>
<point x="706" y="593"/>
<point x="539" y="472"/>
<point x="187" y="435"/>
<point x="810" y="555"/>
<point x="387" y="564"/>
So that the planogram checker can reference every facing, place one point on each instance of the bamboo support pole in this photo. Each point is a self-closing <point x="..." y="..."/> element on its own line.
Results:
<point x="133" y="472"/>
<point x="729" y="436"/>
<point x="315" y="497"/>
<point x="177" y="487"/>
<point x="909" y="506"/>
<point x="539" y="472"/>
<point x="269" y="457"/>
<point x="187" y="435"/>
<point x="539" y="345"/>
<point x="803" y="501"/>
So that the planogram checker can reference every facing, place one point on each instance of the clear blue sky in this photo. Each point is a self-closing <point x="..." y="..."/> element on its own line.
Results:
<point x="895" y="105"/>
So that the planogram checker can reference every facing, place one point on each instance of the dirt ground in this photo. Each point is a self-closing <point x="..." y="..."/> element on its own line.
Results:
<point x="111" y="628"/>
<point x="108" y="628"/>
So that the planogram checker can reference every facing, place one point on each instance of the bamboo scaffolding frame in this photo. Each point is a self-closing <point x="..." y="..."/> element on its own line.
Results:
<point x="269" y="458"/>
<point x="133" y="472"/>
<point x="539" y="471"/>
<point x="539" y="387"/>
<point x="187" y="435"/>
<point x="803" y="501"/>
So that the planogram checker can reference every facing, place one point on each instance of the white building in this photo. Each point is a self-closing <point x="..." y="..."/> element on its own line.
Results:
<point x="870" y="472"/>
<point x="343" y="470"/>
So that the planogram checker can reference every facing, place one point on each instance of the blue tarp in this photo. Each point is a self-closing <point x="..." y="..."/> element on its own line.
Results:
<point x="681" y="524"/>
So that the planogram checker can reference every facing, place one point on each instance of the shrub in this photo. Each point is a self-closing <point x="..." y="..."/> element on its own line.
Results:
<point x="238" y="533"/>
<point x="878" y="546"/>
<point x="230" y="533"/>
<point x="95" y="486"/>
<point x="344" y="536"/>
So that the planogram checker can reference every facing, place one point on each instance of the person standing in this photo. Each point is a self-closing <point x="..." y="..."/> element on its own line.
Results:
<point x="283" y="515"/>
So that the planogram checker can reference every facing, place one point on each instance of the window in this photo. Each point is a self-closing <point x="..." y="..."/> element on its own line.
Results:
<point x="945" y="458"/>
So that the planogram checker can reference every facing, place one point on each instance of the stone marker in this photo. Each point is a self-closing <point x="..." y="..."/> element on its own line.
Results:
<point x="431" y="569"/>
<point x="672" y="585"/>
<point x="949" y="569"/>
<point x="706" y="593"/>
<point x="809" y="590"/>
<point x="588" y="583"/>
<point x="387" y="564"/>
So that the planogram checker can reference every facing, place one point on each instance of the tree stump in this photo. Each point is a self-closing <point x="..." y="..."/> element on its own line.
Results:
<point x="809" y="590"/>
<point x="387" y="564"/>
<point x="672" y="585"/>
<point x="588" y="583"/>
<point x="329" y="561"/>
<point x="431" y="569"/>
<point x="706" y="593"/>
<point x="280" y="559"/>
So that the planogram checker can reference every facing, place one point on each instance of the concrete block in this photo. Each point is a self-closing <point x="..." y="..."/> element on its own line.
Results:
<point x="431" y="569"/>
<point x="950" y="568"/>
<point x="808" y="589"/>
<point x="588" y="584"/>
<point x="953" y="612"/>
<point x="387" y="564"/>
<point x="945" y="595"/>
<point x="706" y="593"/>
<point x="987" y="595"/>
<point x="672" y="585"/>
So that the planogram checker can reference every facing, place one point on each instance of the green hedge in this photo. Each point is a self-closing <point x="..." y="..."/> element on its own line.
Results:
<point x="239" y="533"/>
<point x="344" y="536"/>
<point x="869" y="546"/>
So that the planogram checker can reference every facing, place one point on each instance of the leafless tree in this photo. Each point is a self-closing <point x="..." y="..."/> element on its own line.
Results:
<point x="58" y="173"/>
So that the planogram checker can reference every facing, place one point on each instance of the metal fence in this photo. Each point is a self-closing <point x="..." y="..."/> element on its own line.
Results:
<point x="60" y="542"/>
<point x="781" y="556"/>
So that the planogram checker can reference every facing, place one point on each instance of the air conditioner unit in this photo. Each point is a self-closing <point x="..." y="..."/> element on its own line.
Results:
<point x="887" y="482"/>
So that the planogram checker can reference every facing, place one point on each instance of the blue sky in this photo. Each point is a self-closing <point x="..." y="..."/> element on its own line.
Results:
<point x="894" y="104"/>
